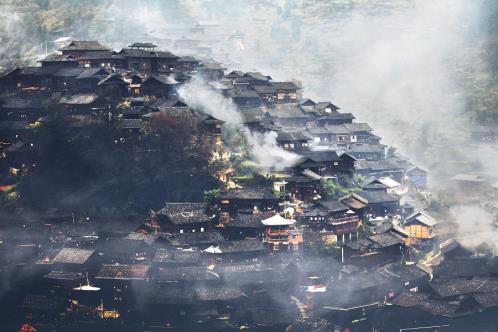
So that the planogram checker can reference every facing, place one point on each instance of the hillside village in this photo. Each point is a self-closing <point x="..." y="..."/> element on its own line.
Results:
<point x="336" y="236"/>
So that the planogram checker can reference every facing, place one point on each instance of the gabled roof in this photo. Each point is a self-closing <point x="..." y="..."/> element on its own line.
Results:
<point x="79" y="99"/>
<point x="292" y="136"/>
<point x="73" y="256"/>
<point x="112" y="79"/>
<point x="123" y="272"/>
<point x="84" y="45"/>
<point x="142" y="45"/>
<point x="249" y="193"/>
<point x="307" y="102"/>
<point x="234" y="74"/>
<point x="189" y="239"/>
<point x="374" y="197"/>
<point x="420" y="217"/>
<point x="177" y="256"/>
<point x="265" y="89"/>
<point x="179" y="274"/>
<point x="185" y="213"/>
<point x="333" y="205"/>
<point x="325" y="104"/>
<point x="354" y="201"/>
<point x="69" y="72"/>
<point x="358" y="127"/>
<point x="140" y="53"/>
<point x="245" y="221"/>
<point x="277" y="220"/>
<point x="93" y="72"/>
<point x="160" y="78"/>
<point x="257" y="76"/>
<point x="55" y="57"/>
<point x="187" y="59"/>
<point x="326" y="156"/>
<point x="284" y="85"/>
<point x="240" y="246"/>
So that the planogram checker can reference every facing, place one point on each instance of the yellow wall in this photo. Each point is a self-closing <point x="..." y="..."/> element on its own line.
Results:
<point x="419" y="231"/>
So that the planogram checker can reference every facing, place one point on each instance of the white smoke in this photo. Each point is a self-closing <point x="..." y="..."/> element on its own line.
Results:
<point x="474" y="225"/>
<point x="262" y="148"/>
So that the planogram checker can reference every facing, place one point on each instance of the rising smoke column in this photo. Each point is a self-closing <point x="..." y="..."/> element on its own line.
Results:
<point x="263" y="148"/>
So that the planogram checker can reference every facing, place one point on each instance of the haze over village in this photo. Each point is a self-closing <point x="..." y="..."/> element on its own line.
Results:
<point x="298" y="165"/>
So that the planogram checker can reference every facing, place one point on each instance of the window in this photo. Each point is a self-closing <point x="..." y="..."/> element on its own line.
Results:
<point x="193" y="231"/>
<point x="336" y="163"/>
<point x="202" y="229"/>
<point x="280" y="95"/>
<point x="181" y="231"/>
<point x="102" y="64"/>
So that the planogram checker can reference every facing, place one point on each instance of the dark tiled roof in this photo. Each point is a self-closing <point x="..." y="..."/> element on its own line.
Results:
<point x="43" y="302"/>
<point x="462" y="286"/>
<point x="69" y="72"/>
<point x="218" y="293"/>
<point x="168" y="295"/>
<point x="84" y="45"/>
<point x="185" y="213"/>
<point x="177" y="256"/>
<point x="245" y="221"/>
<point x="186" y="239"/>
<point x="284" y="85"/>
<point x="73" y="256"/>
<point x="179" y="274"/>
<point x="242" y="246"/>
<point x="123" y="272"/>
<point x="333" y="205"/>
<point x="377" y="197"/>
<point x="292" y="136"/>
<point x="249" y="193"/>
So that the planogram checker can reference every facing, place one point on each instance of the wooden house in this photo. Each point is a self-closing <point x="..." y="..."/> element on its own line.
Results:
<point x="108" y="60"/>
<point x="59" y="61"/>
<point x="293" y="140"/>
<point x="211" y="71"/>
<point x="184" y="218"/>
<point x="89" y="78"/>
<point x="281" y="234"/>
<point x="147" y="61"/>
<point x="235" y="250"/>
<point x="243" y="96"/>
<point x="417" y="177"/>
<point x="23" y="109"/>
<point x="113" y="87"/>
<point x="375" y="250"/>
<point x="286" y="92"/>
<point x="325" y="163"/>
<point x="380" y="168"/>
<point x="419" y="226"/>
<point x="332" y="220"/>
<point x="468" y="185"/>
<point x="334" y="118"/>
<point x="325" y="107"/>
<point x="78" y="48"/>
<point x="159" y="85"/>
<point x="73" y="259"/>
<point x="304" y="186"/>
<point x="248" y="200"/>
<point x="242" y="226"/>
<point x="188" y="64"/>
<point x="83" y="104"/>
<point x="366" y="151"/>
<point x="288" y="115"/>
<point x="372" y="203"/>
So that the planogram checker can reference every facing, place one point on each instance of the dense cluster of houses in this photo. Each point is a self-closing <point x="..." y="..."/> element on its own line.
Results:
<point x="259" y="255"/>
